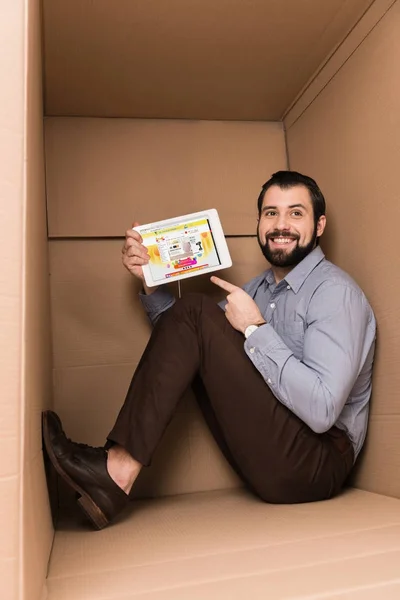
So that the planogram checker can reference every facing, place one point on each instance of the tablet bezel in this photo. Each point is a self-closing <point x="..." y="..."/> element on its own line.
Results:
<point x="219" y="240"/>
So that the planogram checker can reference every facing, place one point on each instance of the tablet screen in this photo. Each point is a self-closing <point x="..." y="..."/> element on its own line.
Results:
<point x="179" y="247"/>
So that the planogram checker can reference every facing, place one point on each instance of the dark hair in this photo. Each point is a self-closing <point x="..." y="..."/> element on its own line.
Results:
<point x="289" y="179"/>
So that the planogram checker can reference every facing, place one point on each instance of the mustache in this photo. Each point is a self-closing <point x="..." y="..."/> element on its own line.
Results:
<point x="282" y="233"/>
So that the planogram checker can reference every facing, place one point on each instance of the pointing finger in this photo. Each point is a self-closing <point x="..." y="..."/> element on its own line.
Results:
<point x="225" y="285"/>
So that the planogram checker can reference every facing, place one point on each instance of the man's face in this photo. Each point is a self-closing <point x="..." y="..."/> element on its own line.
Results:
<point x="286" y="229"/>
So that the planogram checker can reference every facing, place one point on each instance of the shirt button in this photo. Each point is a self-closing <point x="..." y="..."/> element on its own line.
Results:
<point x="288" y="287"/>
<point x="272" y="305"/>
<point x="252" y="350"/>
<point x="269" y="380"/>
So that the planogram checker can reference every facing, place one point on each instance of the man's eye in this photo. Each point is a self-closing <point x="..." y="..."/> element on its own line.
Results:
<point x="270" y="213"/>
<point x="297" y="213"/>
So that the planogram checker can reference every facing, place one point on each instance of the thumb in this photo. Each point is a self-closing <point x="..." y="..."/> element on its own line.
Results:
<point x="135" y="224"/>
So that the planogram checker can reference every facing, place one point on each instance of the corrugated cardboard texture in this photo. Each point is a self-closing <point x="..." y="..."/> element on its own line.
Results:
<point x="226" y="545"/>
<point x="12" y="130"/>
<point x="348" y="139"/>
<point x="195" y="60"/>
<point x="99" y="333"/>
<point x="37" y="527"/>
<point x="104" y="173"/>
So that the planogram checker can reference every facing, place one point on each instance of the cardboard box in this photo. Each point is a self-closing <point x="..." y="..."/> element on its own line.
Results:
<point x="241" y="91"/>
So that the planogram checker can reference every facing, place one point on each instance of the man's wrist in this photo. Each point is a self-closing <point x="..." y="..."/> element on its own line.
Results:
<point x="252" y="328"/>
<point x="149" y="290"/>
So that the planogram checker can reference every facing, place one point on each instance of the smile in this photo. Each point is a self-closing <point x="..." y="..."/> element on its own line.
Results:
<point x="282" y="240"/>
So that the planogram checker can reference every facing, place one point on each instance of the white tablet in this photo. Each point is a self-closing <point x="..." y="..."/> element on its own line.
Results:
<point x="183" y="247"/>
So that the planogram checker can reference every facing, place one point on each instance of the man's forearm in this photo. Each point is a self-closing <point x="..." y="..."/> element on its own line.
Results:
<point x="315" y="393"/>
<point x="293" y="384"/>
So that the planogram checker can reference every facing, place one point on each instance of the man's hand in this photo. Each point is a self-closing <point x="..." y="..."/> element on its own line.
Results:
<point x="135" y="255"/>
<point x="241" y="310"/>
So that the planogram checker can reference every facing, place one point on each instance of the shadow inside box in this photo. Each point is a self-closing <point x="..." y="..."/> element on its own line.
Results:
<point x="70" y="517"/>
<point x="52" y="480"/>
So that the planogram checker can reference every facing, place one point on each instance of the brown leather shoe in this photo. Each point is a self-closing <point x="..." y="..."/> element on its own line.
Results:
<point x="84" y="468"/>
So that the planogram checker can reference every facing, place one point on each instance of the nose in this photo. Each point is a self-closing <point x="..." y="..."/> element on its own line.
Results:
<point x="282" y="222"/>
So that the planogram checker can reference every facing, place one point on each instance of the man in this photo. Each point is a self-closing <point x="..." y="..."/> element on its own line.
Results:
<point x="284" y="370"/>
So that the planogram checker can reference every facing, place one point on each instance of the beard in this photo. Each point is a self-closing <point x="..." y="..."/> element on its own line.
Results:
<point x="282" y="258"/>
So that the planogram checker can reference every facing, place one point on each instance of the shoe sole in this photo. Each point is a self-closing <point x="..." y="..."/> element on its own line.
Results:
<point x="85" y="502"/>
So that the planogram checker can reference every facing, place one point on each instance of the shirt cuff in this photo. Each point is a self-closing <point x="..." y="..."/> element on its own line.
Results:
<point x="157" y="302"/>
<point x="269" y="354"/>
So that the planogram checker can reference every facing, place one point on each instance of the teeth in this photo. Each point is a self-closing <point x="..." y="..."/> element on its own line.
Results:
<point x="282" y="240"/>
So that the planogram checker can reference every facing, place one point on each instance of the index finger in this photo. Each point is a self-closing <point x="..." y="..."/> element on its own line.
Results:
<point x="225" y="285"/>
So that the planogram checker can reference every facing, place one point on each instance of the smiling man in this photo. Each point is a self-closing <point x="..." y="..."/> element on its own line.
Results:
<point x="282" y="373"/>
<point x="289" y="223"/>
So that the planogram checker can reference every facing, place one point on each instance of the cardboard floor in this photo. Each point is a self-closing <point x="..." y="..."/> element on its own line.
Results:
<point x="231" y="545"/>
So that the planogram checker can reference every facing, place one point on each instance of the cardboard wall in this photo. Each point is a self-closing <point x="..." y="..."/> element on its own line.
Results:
<point x="11" y="203"/>
<point x="101" y="175"/>
<point x="37" y="530"/>
<point x="186" y="60"/>
<point x="348" y="138"/>
<point x="25" y="525"/>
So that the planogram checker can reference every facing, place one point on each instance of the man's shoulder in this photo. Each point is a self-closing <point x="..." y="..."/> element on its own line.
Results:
<point x="329" y="274"/>
<point x="332" y="280"/>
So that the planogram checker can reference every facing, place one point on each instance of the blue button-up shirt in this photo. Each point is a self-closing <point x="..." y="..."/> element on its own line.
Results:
<point x="316" y="350"/>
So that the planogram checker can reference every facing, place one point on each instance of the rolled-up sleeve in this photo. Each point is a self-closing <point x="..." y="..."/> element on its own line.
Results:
<point x="338" y="336"/>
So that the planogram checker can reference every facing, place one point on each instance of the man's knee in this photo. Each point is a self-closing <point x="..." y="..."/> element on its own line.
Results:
<point x="195" y="301"/>
<point x="197" y="309"/>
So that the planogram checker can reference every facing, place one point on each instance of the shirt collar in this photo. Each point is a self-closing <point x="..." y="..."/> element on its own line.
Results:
<point x="269" y="277"/>
<point x="299" y="274"/>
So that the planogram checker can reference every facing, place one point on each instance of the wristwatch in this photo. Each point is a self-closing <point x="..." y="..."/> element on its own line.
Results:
<point x="251" y="329"/>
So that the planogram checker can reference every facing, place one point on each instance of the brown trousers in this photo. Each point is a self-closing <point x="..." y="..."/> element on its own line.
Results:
<point x="276" y="454"/>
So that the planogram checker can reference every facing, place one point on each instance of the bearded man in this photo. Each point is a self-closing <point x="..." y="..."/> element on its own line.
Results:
<point x="282" y="369"/>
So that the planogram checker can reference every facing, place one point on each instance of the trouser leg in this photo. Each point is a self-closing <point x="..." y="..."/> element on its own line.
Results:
<point x="274" y="451"/>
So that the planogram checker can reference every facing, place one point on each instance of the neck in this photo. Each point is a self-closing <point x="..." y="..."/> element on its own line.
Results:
<point x="280" y="272"/>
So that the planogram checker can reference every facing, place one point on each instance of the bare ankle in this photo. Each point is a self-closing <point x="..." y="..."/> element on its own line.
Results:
<point x="122" y="467"/>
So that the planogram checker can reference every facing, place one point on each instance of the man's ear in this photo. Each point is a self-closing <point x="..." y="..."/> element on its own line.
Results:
<point x="321" y="225"/>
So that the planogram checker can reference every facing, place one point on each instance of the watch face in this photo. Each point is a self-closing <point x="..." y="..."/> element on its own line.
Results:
<point x="249" y="330"/>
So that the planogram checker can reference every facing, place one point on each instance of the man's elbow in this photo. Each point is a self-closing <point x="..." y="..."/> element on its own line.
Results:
<point x="322" y="423"/>
<point x="320" y="427"/>
<point x="326" y="411"/>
